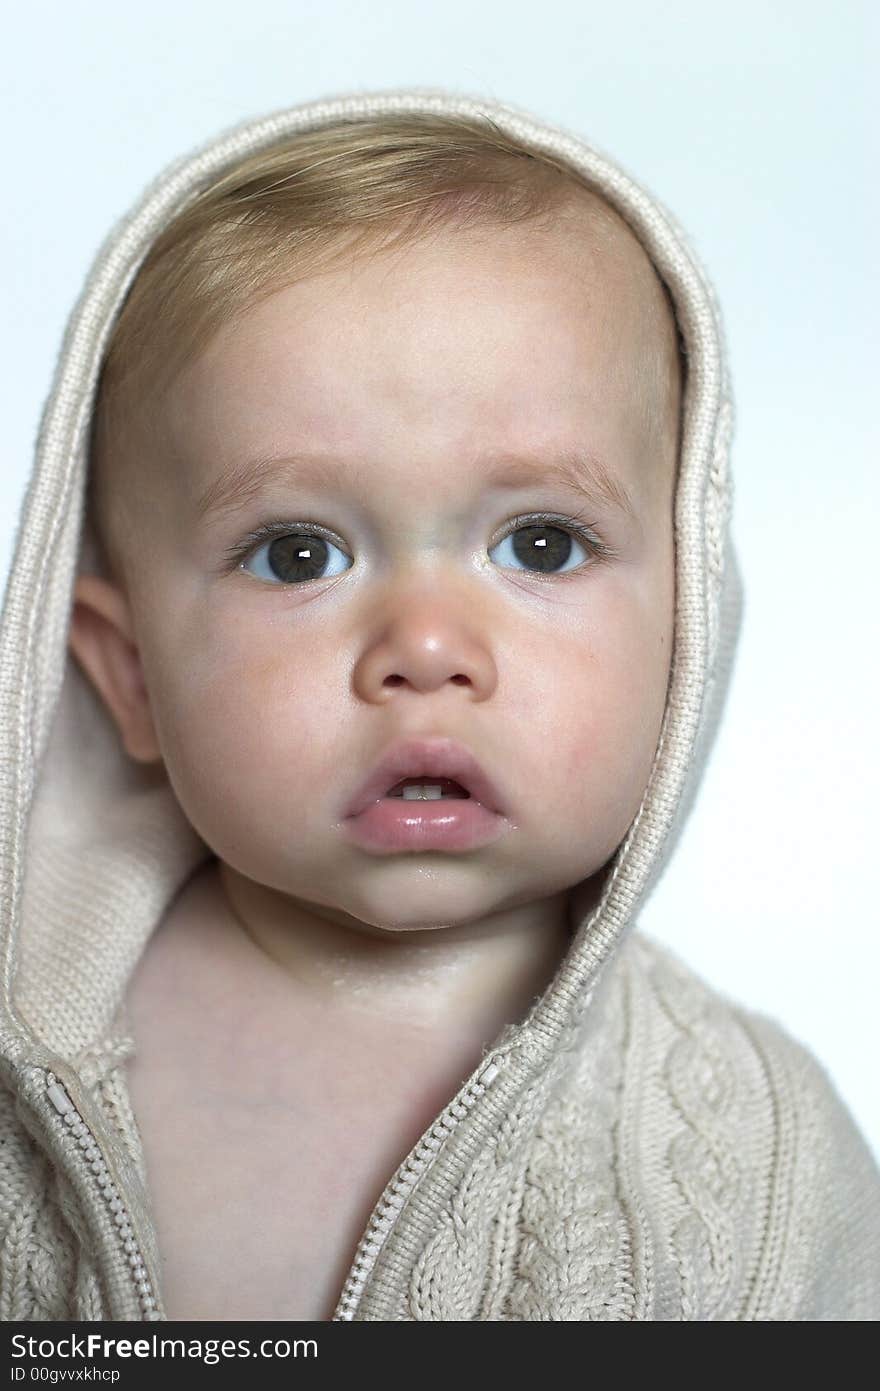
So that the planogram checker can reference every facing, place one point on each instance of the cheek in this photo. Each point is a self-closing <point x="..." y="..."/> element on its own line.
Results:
<point x="610" y="712"/>
<point x="241" y="728"/>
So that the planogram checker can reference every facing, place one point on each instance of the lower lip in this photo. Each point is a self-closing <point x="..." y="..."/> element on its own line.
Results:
<point x="451" y="823"/>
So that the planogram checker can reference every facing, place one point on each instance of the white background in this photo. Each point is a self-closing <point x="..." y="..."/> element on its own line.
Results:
<point x="754" y="123"/>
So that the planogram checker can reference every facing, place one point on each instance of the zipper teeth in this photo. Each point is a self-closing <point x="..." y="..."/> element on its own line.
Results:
<point x="383" y="1220"/>
<point x="108" y="1191"/>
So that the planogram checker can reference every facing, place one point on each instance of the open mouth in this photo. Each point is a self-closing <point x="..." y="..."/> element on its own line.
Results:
<point x="427" y="789"/>
<point x="434" y="769"/>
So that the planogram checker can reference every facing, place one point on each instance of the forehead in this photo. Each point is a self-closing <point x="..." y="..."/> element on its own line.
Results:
<point x="585" y="273"/>
<point x="464" y="344"/>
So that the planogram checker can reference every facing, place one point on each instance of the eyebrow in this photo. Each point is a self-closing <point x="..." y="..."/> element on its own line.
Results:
<point x="240" y="484"/>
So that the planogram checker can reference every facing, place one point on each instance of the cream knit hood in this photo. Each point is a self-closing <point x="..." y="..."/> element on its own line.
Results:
<point x="93" y="850"/>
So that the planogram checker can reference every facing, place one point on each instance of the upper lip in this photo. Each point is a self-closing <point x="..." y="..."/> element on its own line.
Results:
<point x="431" y="758"/>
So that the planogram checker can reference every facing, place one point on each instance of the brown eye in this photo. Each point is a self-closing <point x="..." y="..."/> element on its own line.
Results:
<point x="542" y="547"/>
<point x="295" y="558"/>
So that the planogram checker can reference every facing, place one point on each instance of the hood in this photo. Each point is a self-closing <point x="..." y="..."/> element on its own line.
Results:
<point x="94" y="847"/>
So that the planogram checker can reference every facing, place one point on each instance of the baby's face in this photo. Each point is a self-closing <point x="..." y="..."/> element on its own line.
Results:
<point x="401" y="389"/>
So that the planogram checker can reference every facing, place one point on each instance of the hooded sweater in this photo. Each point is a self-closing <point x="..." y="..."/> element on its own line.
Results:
<point x="636" y="1147"/>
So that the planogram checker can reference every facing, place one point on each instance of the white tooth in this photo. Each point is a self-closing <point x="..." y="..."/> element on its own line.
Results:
<point x="422" y="793"/>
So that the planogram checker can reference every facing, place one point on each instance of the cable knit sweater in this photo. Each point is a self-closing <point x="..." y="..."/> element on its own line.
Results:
<point x="637" y="1147"/>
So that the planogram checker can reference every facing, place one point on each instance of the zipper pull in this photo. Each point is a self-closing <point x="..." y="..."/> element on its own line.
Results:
<point x="59" y="1098"/>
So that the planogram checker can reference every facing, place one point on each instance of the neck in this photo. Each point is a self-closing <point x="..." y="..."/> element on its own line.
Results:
<point x="473" y="977"/>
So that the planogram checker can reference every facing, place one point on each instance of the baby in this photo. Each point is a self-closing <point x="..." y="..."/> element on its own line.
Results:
<point x="384" y="465"/>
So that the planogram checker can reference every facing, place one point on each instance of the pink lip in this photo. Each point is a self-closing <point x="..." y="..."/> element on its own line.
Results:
<point x="392" y="824"/>
<point x="432" y="757"/>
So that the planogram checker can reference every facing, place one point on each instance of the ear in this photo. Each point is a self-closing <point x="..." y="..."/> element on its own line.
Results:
<point x="102" y="640"/>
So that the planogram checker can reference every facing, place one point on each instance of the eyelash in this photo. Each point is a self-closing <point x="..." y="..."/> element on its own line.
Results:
<point x="601" y="551"/>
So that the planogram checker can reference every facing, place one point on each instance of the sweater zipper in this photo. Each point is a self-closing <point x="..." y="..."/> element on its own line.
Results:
<point x="108" y="1191"/>
<point x="392" y="1201"/>
<point x="371" y="1243"/>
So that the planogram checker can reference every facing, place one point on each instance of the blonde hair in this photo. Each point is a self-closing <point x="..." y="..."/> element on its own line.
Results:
<point x="299" y="207"/>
